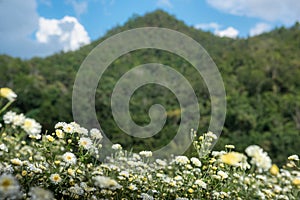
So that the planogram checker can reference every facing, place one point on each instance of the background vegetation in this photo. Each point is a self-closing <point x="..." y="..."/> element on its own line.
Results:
<point x="261" y="76"/>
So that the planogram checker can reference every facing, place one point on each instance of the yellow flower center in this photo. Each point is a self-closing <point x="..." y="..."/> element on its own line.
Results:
<point x="56" y="178"/>
<point x="6" y="183"/>
<point x="27" y="124"/>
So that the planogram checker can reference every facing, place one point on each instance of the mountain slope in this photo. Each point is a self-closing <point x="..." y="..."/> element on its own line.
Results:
<point x="261" y="76"/>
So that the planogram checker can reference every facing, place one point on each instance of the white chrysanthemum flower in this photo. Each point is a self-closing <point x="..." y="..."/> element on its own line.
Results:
<point x="223" y="175"/>
<point x="124" y="173"/>
<point x="136" y="156"/>
<point x="132" y="187"/>
<point x="69" y="158"/>
<point x="60" y="125"/>
<point x="211" y="135"/>
<point x="55" y="178"/>
<point x="78" y="129"/>
<point x="76" y="189"/>
<point x="259" y="158"/>
<point x="261" y="177"/>
<point x="7" y="169"/>
<point x="116" y="147"/>
<point x="16" y="161"/>
<point x="146" y="153"/>
<point x="18" y="120"/>
<point x="8" y="94"/>
<point x="201" y="183"/>
<point x="178" y="178"/>
<point x="49" y="138"/>
<point x="59" y="133"/>
<point x="146" y="196"/>
<point x="68" y="128"/>
<point x="3" y="147"/>
<point x="218" y="153"/>
<point x="8" y="185"/>
<point x="252" y="149"/>
<point x="196" y="162"/>
<point x="0" y="125"/>
<point x="81" y="131"/>
<point x="106" y="182"/>
<point x="32" y="128"/>
<point x="161" y="162"/>
<point x="33" y="168"/>
<point x="216" y="177"/>
<point x="38" y="193"/>
<point x="182" y="160"/>
<point x="294" y="157"/>
<point x="86" y="187"/>
<point x="9" y="117"/>
<point x="96" y="134"/>
<point x="85" y="143"/>
<point x="75" y="125"/>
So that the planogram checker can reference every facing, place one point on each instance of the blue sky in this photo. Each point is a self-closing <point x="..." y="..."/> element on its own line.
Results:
<point x="42" y="27"/>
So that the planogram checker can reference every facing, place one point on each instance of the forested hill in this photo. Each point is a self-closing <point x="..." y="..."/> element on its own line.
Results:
<point x="261" y="76"/>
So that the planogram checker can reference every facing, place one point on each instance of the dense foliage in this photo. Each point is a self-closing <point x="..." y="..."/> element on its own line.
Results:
<point x="261" y="76"/>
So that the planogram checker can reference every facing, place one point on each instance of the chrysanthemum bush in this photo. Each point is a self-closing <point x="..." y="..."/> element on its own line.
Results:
<point x="65" y="165"/>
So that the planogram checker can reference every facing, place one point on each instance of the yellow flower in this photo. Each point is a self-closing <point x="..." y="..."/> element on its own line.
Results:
<point x="72" y="182"/>
<point x="50" y="138"/>
<point x="274" y="170"/>
<point x="55" y="178"/>
<point x="24" y="173"/>
<point x="71" y="172"/>
<point x="296" y="181"/>
<point x="57" y="162"/>
<point x="59" y="133"/>
<point x="190" y="190"/>
<point x="232" y="158"/>
<point x="8" y="94"/>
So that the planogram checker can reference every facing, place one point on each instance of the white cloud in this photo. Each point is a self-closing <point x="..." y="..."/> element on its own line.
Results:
<point x="208" y="26"/>
<point x="215" y="27"/>
<point x="286" y="11"/>
<point x="79" y="7"/>
<point x="164" y="3"/>
<point x="259" y="28"/>
<point x="228" y="32"/>
<point x="67" y="33"/>
<point x="22" y="21"/>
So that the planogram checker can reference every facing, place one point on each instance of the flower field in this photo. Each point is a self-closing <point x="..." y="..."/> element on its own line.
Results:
<point x="65" y="165"/>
